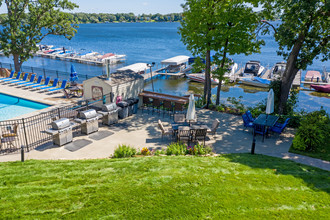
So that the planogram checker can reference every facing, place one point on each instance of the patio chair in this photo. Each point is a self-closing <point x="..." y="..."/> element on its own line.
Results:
<point x="10" y="76"/>
<point x="32" y="83"/>
<point x="179" y="118"/>
<point x="63" y="85"/>
<point x="156" y="104"/>
<point x="50" y="87"/>
<point x="16" y="78"/>
<point x="9" y="137"/>
<point x="278" y="127"/>
<point x="199" y="134"/>
<point x="247" y="122"/>
<point x="260" y="129"/>
<point x="214" y="127"/>
<point x="47" y="80"/>
<point x="26" y="75"/>
<point x="146" y="103"/>
<point x="184" y="135"/>
<point x="249" y="115"/>
<point x="164" y="131"/>
<point x="33" y="76"/>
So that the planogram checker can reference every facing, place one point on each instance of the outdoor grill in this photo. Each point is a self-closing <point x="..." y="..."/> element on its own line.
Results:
<point x="61" y="131"/>
<point x="110" y="114"/>
<point x="89" y="121"/>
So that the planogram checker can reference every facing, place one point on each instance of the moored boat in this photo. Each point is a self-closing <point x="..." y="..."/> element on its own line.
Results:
<point x="256" y="81"/>
<point x="253" y="68"/>
<point x="321" y="88"/>
<point x="200" y="77"/>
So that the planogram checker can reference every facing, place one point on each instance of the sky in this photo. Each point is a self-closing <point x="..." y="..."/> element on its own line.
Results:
<point x="126" y="6"/>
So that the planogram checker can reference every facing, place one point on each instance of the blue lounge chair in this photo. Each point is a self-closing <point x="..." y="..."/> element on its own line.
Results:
<point x="42" y="85"/>
<point x="10" y="76"/>
<point x="30" y="81"/>
<point x="16" y="78"/>
<point x="249" y="115"/>
<point x="247" y="122"/>
<point x="50" y="87"/>
<point x="278" y="127"/>
<point x="26" y="75"/>
<point x="64" y="82"/>
<point x="32" y="84"/>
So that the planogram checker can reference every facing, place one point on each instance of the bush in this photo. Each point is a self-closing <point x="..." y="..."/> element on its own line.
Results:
<point x="199" y="149"/>
<point x="313" y="133"/>
<point x="124" y="151"/>
<point x="176" y="149"/>
<point x="145" y="151"/>
<point x="159" y="152"/>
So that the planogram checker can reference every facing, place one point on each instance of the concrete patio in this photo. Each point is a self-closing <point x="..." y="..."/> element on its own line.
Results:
<point x="141" y="130"/>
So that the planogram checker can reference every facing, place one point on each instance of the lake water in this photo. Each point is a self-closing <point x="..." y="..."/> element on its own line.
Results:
<point x="153" y="42"/>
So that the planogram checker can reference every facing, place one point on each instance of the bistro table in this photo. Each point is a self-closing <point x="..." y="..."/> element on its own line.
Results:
<point x="266" y="121"/>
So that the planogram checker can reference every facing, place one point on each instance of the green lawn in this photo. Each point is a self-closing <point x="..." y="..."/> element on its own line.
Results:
<point x="237" y="186"/>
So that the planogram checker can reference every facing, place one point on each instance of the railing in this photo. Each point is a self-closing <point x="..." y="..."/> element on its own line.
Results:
<point x="61" y="75"/>
<point x="29" y="133"/>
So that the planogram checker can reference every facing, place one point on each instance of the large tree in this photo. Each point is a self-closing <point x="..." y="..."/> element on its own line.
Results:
<point x="198" y="30"/>
<point x="303" y="35"/>
<point x="29" y="22"/>
<point x="235" y="34"/>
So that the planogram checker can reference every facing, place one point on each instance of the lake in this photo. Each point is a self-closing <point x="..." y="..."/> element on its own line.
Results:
<point x="153" y="42"/>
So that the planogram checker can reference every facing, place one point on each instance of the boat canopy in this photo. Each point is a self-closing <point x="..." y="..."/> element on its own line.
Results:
<point x="176" y="60"/>
<point x="137" y="67"/>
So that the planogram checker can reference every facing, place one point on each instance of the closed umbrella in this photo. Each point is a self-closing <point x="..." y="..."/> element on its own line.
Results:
<point x="191" y="112"/>
<point x="73" y="75"/>
<point x="270" y="102"/>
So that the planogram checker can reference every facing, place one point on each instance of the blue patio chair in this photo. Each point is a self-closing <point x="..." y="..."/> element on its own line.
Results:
<point x="30" y="81"/>
<point x="26" y="75"/>
<point x="16" y="78"/>
<point x="247" y="122"/>
<point x="42" y="85"/>
<point x="278" y="127"/>
<point x="50" y="87"/>
<point x="260" y="129"/>
<point x="10" y="76"/>
<point x="248" y="113"/>
<point x="64" y="82"/>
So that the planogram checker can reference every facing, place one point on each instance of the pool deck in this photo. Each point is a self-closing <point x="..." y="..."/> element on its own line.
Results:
<point x="141" y="130"/>
<point x="55" y="100"/>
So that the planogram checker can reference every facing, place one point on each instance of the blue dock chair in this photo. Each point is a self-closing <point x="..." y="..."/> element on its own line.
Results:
<point x="278" y="127"/>
<point x="64" y="82"/>
<point x="30" y="81"/>
<point x="249" y="115"/>
<point x="16" y="78"/>
<point x="10" y="76"/>
<point x="50" y="87"/>
<point x="26" y="75"/>
<point x="247" y="122"/>
<point x="42" y="85"/>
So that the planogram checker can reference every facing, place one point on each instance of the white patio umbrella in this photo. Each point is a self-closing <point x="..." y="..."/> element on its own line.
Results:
<point x="191" y="112"/>
<point x="270" y="102"/>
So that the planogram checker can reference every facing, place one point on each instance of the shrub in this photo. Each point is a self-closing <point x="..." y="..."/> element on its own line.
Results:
<point x="124" y="151"/>
<point x="199" y="149"/>
<point x="176" y="149"/>
<point x="313" y="133"/>
<point x="145" y="151"/>
<point x="159" y="152"/>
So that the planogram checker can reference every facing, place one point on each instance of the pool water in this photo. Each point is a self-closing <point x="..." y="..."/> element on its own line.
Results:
<point x="12" y="106"/>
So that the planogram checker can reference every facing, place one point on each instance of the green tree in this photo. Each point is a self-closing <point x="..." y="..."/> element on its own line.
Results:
<point x="303" y="35"/>
<point x="29" y="22"/>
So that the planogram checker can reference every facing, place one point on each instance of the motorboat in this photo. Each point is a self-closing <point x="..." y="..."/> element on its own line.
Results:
<point x="256" y="81"/>
<point x="200" y="77"/>
<point x="277" y="70"/>
<point x="253" y="68"/>
<point x="313" y="76"/>
<point x="321" y="88"/>
<point x="231" y="70"/>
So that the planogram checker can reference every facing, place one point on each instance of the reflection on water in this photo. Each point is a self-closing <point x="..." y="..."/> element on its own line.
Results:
<point x="308" y="100"/>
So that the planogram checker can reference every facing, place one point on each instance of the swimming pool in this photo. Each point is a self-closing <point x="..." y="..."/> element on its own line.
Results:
<point x="12" y="106"/>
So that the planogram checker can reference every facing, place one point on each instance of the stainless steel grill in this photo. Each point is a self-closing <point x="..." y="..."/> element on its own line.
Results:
<point x="61" y="131"/>
<point x="89" y="121"/>
<point x="110" y="114"/>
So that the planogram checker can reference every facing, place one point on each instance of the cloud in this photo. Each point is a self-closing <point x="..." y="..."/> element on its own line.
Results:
<point x="145" y="3"/>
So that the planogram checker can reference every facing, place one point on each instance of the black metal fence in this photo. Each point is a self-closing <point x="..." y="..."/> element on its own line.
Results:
<point x="29" y="133"/>
<point x="61" y="75"/>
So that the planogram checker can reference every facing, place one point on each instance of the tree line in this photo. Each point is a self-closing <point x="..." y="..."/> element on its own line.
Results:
<point x="83" y="18"/>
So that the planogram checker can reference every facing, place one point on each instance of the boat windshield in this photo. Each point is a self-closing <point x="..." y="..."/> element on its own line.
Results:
<point x="252" y="68"/>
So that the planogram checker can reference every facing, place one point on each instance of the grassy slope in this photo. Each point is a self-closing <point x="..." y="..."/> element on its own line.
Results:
<point x="232" y="186"/>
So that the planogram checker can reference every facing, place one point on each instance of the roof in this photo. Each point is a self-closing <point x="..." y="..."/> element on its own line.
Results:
<point x="137" y="67"/>
<point x="313" y="73"/>
<point x="176" y="60"/>
<point x="121" y="77"/>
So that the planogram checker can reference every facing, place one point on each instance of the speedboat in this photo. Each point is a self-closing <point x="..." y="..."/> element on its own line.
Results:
<point x="256" y="81"/>
<point x="253" y="68"/>
<point x="321" y="88"/>
<point x="200" y="77"/>
<point x="231" y="70"/>
<point x="277" y="70"/>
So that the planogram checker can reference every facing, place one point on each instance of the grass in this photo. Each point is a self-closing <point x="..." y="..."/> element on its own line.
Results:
<point x="323" y="153"/>
<point x="237" y="186"/>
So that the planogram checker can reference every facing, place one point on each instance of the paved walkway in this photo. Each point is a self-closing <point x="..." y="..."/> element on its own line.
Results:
<point x="141" y="130"/>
